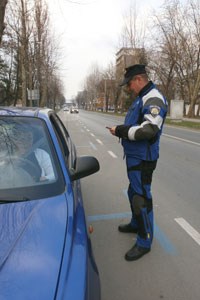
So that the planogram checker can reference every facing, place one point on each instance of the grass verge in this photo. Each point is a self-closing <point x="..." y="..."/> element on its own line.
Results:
<point x="183" y="123"/>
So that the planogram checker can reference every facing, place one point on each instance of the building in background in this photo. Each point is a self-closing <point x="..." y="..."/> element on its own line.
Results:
<point x="126" y="57"/>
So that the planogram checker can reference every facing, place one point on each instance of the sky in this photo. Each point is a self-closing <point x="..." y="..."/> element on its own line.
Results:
<point x="88" y="32"/>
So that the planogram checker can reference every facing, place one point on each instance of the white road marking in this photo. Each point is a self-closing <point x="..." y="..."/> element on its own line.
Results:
<point x="189" y="229"/>
<point x="93" y="146"/>
<point x="112" y="154"/>
<point x="91" y="134"/>
<point x="98" y="141"/>
<point x="180" y="139"/>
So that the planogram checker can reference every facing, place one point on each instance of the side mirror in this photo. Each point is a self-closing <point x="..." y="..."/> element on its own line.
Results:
<point x="84" y="166"/>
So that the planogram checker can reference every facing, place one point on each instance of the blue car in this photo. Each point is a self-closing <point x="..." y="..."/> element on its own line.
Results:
<point x="45" y="251"/>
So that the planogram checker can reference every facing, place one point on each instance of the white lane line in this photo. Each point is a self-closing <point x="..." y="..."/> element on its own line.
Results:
<point x="99" y="141"/>
<point x="189" y="229"/>
<point x="91" y="134"/>
<point x="180" y="139"/>
<point x="112" y="154"/>
<point x="93" y="146"/>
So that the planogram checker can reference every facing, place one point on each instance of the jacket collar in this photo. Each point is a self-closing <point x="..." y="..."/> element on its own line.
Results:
<point x="149" y="86"/>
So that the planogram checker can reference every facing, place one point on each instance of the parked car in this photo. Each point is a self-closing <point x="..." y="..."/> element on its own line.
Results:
<point x="45" y="251"/>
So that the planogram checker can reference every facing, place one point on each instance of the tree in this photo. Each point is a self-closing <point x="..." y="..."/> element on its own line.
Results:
<point x="179" y="27"/>
<point x="134" y="30"/>
<point x="161" y="67"/>
<point x="109" y="86"/>
<point x="3" y="81"/>
<point x="33" y="49"/>
<point x="19" y="30"/>
<point x="132" y="42"/>
<point x="7" y="78"/>
<point x="91" y="85"/>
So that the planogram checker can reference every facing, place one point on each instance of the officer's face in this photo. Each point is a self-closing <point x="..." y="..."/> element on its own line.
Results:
<point x="133" y="85"/>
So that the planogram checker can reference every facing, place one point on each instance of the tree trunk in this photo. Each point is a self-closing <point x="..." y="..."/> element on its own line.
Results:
<point x="24" y="51"/>
<point x="191" y="111"/>
<point x="43" y="96"/>
<point x="2" y="14"/>
<point x="198" y="110"/>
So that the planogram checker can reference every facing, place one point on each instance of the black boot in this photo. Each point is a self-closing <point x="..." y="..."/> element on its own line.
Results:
<point x="136" y="252"/>
<point x="127" y="228"/>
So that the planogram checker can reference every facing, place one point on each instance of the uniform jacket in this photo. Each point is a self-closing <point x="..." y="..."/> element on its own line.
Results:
<point x="143" y="124"/>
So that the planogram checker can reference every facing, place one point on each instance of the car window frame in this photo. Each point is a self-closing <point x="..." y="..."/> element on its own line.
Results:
<point x="64" y="139"/>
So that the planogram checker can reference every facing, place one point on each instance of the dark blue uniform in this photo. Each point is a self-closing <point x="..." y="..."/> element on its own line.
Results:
<point x="140" y="136"/>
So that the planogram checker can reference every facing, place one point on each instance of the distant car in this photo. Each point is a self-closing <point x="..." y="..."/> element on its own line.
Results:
<point x="45" y="251"/>
<point x="74" y="110"/>
<point x="66" y="109"/>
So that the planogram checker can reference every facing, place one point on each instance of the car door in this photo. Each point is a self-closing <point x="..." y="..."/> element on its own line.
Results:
<point x="84" y="269"/>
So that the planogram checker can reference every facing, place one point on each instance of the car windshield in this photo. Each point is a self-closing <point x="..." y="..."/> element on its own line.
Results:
<point x="28" y="165"/>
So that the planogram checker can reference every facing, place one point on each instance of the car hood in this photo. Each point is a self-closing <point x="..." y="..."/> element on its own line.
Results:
<point x="32" y="237"/>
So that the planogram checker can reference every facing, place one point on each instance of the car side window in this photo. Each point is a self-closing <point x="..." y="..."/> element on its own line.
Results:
<point x="62" y="136"/>
<point x="26" y="157"/>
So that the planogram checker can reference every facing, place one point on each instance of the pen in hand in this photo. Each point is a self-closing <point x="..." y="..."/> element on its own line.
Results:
<point x="112" y="129"/>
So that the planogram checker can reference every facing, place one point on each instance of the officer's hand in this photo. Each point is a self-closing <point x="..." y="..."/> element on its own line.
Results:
<point x="112" y="130"/>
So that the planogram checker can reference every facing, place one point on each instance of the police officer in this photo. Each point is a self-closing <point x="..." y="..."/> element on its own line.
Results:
<point x="140" y="135"/>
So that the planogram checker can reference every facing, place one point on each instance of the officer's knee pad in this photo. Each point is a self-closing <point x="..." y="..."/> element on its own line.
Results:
<point x="138" y="203"/>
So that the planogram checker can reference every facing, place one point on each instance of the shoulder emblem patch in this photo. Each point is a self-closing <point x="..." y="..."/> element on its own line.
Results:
<point x="154" y="110"/>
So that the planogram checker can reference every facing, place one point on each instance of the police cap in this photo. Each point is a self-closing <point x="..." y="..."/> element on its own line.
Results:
<point x="132" y="71"/>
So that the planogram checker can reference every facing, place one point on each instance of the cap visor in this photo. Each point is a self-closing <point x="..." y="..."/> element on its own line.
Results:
<point x="125" y="81"/>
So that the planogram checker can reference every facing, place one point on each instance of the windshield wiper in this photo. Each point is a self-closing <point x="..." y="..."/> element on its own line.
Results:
<point x="13" y="199"/>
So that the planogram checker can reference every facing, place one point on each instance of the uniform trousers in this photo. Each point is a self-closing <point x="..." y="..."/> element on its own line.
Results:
<point x="140" y="174"/>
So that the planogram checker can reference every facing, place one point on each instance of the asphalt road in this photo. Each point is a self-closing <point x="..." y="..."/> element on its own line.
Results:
<point x="171" y="270"/>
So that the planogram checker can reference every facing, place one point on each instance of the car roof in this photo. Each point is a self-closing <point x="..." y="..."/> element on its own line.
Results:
<point x="24" y="111"/>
